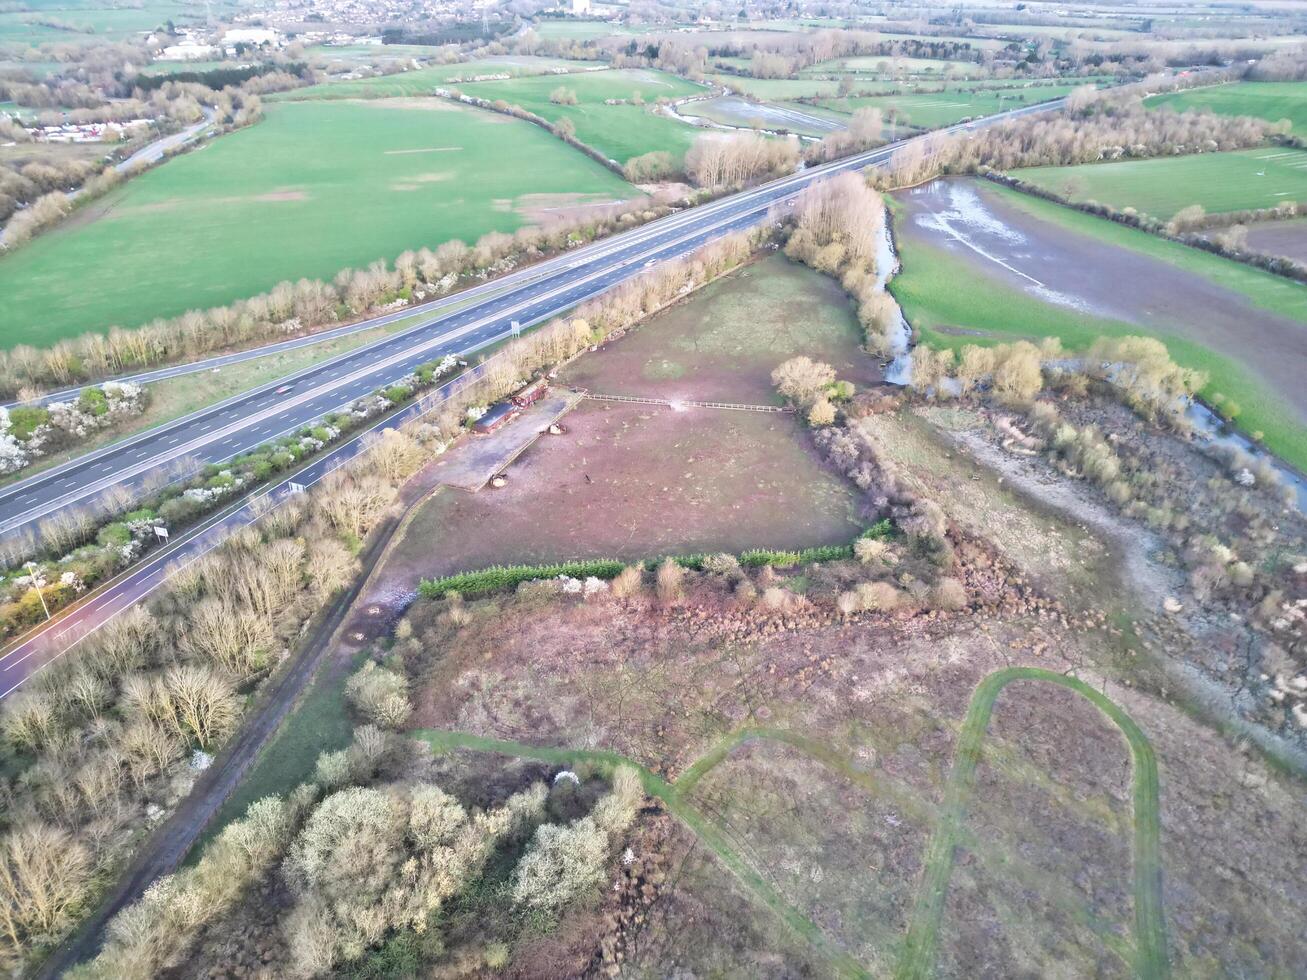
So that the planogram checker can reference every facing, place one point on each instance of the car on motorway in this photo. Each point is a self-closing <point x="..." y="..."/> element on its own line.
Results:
<point x="284" y="388"/>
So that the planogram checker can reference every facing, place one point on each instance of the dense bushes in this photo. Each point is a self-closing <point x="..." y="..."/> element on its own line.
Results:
<point x="103" y="732"/>
<point x="369" y="867"/>
<point x="372" y="861"/>
<point x="837" y="228"/>
<point x="810" y="386"/>
<point x="503" y="577"/>
<point x="1139" y="370"/>
<point x="32" y="431"/>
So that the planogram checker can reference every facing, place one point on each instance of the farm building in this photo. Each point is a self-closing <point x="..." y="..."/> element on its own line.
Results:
<point x="495" y="417"/>
<point x="531" y="394"/>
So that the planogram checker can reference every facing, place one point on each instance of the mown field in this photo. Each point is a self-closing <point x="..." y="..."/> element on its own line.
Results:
<point x="1245" y="179"/>
<point x="82" y="21"/>
<point x="620" y="131"/>
<point x="1266" y="100"/>
<point x="934" y="109"/>
<point x="314" y="188"/>
<point x="874" y="64"/>
<point x="424" y="81"/>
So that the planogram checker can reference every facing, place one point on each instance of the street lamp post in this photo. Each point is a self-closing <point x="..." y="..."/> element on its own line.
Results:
<point x="38" y="583"/>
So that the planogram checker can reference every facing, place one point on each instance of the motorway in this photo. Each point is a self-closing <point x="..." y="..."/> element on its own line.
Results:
<point x="246" y="421"/>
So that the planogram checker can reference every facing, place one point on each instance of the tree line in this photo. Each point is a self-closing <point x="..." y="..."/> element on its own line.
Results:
<point x="294" y="308"/>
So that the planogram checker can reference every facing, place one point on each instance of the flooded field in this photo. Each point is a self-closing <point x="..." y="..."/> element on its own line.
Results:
<point x="733" y="110"/>
<point x="1077" y="274"/>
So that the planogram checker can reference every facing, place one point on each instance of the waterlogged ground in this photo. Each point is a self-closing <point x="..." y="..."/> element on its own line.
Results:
<point x="733" y="110"/>
<point x="1095" y="279"/>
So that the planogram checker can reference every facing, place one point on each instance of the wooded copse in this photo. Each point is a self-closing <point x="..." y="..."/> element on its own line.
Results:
<point x="837" y="227"/>
<point x="717" y="161"/>
<point x="864" y="131"/>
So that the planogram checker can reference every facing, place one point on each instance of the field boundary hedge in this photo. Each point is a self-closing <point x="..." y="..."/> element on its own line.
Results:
<point x="496" y="578"/>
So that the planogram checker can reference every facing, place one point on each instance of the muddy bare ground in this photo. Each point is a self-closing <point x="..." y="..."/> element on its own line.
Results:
<point x="971" y="221"/>
<point x="630" y="481"/>
<point x="1287" y="238"/>
<point x="1045" y="872"/>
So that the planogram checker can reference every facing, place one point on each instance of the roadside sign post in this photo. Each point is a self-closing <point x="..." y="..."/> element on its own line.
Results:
<point x="38" y="583"/>
<point x="161" y="533"/>
<point x="292" y="487"/>
<point x="516" y="328"/>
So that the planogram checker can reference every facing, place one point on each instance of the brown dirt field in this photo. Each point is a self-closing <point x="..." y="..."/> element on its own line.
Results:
<point x="631" y="481"/>
<point x="1047" y="837"/>
<point x="1287" y="238"/>
<point x="854" y="876"/>
<point x="972" y="222"/>
<point x="1071" y="824"/>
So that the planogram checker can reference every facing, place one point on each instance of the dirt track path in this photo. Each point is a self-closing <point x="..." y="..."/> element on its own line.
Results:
<point x="917" y="956"/>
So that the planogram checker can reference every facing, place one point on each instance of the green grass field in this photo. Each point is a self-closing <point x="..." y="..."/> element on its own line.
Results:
<point x="932" y="110"/>
<point x="620" y="131"/>
<point x="84" y="21"/>
<point x="1271" y="101"/>
<point x="1245" y="179"/>
<point x="937" y="289"/>
<point x="314" y="188"/>
<point x="880" y="66"/>
<point x="424" y="81"/>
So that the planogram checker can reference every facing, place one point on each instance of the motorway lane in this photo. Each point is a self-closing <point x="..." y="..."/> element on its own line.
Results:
<point x="245" y="421"/>
<point x="51" y="641"/>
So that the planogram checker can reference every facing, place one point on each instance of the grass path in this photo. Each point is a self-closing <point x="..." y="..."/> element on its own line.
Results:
<point x="918" y="950"/>
<point x="1150" y="932"/>
<point x="708" y="833"/>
